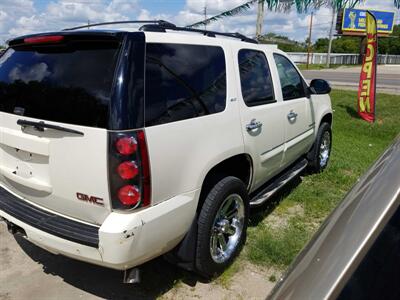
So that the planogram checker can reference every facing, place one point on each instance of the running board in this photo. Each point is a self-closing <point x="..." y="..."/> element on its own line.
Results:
<point x="277" y="184"/>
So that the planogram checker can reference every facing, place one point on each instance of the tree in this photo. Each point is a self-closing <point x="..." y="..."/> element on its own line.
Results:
<point x="390" y="45"/>
<point x="348" y="44"/>
<point x="283" y="42"/>
<point x="279" y="5"/>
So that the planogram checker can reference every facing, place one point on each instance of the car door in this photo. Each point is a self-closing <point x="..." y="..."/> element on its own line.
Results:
<point x="262" y="115"/>
<point x="298" y="123"/>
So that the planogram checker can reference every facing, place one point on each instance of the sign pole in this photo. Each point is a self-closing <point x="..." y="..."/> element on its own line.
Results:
<point x="328" y="56"/>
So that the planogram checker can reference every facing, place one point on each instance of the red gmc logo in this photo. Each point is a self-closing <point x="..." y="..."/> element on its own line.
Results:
<point x="90" y="199"/>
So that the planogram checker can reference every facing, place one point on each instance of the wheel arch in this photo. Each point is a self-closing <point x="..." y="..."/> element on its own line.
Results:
<point x="240" y="166"/>
<point x="326" y="118"/>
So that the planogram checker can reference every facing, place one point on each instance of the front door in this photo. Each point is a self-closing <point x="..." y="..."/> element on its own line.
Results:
<point x="262" y="115"/>
<point x="299" y="131"/>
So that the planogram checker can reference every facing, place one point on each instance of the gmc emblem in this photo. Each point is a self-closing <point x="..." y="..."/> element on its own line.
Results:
<point x="90" y="199"/>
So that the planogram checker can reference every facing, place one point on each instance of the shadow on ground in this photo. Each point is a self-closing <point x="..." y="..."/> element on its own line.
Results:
<point x="258" y="214"/>
<point x="350" y="111"/>
<point x="158" y="276"/>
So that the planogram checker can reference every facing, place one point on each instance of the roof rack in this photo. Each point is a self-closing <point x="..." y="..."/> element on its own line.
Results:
<point x="155" y="22"/>
<point x="170" y="26"/>
<point x="162" y="26"/>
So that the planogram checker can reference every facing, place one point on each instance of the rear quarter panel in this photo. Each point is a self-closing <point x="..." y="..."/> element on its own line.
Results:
<point x="181" y="153"/>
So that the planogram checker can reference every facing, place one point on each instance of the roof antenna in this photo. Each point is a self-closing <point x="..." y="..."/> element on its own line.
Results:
<point x="205" y="16"/>
<point x="88" y="24"/>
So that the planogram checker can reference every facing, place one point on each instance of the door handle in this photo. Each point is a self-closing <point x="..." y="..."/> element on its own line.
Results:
<point x="292" y="116"/>
<point x="254" y="124"/>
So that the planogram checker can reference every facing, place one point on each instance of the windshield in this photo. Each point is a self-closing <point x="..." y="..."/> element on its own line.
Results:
<point x="66" y="83"/>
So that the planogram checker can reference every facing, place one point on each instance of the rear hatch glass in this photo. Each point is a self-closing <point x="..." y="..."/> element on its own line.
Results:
<point x="63" y="166"/>
<point x="69" y="82"/>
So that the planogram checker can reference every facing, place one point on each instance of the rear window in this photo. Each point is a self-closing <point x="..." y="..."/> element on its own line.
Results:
<point x="183" y="82"/>
<point x="68" y="84"/>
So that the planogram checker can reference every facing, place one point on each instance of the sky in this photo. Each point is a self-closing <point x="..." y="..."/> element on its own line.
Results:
<point x="19" y="17"/>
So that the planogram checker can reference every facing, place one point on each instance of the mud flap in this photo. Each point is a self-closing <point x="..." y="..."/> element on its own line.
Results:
<point x="184" y="255"/>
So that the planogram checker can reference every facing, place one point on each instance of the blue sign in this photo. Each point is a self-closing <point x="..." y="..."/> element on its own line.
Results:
<point x="354" y="20"/>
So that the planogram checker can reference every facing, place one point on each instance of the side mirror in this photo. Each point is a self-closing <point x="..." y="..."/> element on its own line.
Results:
<point x="320" y="86"/>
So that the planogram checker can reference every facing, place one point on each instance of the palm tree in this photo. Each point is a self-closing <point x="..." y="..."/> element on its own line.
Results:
<point x="282" y="5"/>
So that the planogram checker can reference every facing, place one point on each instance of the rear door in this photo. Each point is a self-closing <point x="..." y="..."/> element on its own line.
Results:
<point x="297" y="110"/>
<point x="262" y="115"/>
<point x="67" y="85"/>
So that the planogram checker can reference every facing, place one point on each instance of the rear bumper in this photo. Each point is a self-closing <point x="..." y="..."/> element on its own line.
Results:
<point x="123" y="241"/>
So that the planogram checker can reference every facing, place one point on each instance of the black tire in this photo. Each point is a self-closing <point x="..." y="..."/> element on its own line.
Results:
<point x="316" y="163"/>
<point x="225" y="189"/>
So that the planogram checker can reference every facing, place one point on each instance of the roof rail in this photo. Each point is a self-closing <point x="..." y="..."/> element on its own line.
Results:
<point x="155" y="22"/>
<point x="164" y="27"/>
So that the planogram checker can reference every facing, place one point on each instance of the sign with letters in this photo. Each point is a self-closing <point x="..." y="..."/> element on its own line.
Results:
<point x="355" y="21"/>
<point x="367" y="86"/>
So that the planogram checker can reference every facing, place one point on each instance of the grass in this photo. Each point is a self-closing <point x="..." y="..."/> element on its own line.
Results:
<point x="322" y="66"/>
<point x="356" y="145"/>
<point x="225" y="278"/>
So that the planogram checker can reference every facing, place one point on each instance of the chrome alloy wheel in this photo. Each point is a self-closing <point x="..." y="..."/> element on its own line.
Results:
<point x="324" y="150"/>
<point x="227" y="228"/>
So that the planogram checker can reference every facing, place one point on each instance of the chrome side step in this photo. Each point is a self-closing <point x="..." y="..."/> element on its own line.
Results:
<point x="277" y="184"/>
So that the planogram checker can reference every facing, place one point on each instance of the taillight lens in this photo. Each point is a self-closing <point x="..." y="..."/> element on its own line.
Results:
<point x="128" y="170"/>
<point x="129" y="195"/>
<point x="126" y="145"/>
<point x="44" y="39"/>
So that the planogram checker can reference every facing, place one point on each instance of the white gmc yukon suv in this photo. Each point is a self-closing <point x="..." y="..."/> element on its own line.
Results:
<point x="117" y="147"/>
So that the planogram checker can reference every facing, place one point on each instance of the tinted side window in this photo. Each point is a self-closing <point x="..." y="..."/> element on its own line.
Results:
<point x="291" y="81"/>
<point x="183" y="82"/>
<point x="255" y="78"/>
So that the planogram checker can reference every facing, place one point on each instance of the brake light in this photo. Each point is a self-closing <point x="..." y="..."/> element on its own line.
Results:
<point x="129" y="195"/>
<point x="145" y="168"/>
<point x="129" y="170"/>
<point x="44" y="39"/>
<point x="126" y="145"/>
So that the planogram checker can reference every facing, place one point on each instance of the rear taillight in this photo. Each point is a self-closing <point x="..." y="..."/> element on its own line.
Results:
<point x="126" y="145"/>
<point x="129" y="195"/>
<point x="129" y="170"/>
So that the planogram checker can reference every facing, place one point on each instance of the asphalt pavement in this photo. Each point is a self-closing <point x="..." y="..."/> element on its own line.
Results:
<point x="388" y="77"/>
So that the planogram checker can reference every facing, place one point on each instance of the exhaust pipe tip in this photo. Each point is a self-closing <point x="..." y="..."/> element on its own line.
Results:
<point x="132" y="276"/>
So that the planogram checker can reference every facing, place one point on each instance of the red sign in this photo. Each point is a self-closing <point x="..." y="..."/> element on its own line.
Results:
<point x="367" y="87"/>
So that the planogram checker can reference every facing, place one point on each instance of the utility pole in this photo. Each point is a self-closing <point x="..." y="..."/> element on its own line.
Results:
<point x="205" y="17"/>
<point x="309" y="40"/>
<point x="88" y="24"/>
<point x="260" y="18"/>
<point x="328" y="56"/>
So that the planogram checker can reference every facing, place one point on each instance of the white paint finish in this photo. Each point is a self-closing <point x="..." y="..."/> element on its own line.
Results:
<point x="56" y="166"/>
<point x="181" y="153"/>
<point x="265" y="145"/>
<point x="296" y="128"/>
<point x="126" y="240"/>
<point x="18" y="139"/>
<point x="320" y="107"/>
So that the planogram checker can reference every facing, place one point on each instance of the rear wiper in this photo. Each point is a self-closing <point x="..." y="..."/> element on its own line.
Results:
<point x="40" y="126"/>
